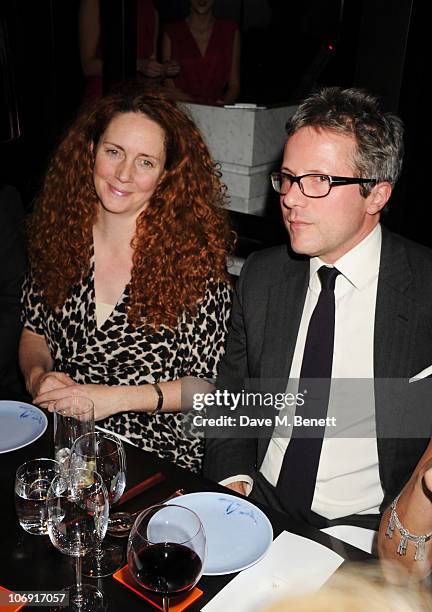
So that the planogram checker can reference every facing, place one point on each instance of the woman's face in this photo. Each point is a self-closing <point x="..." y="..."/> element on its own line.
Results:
<point x="130" y="161"/>
<point x="202" y="7"/>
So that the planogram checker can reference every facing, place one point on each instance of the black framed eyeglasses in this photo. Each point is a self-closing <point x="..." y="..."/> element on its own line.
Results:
<point x="313" y="185"/>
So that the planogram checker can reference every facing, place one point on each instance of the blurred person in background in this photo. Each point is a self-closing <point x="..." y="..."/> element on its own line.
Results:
<point x="207" y="50"/>
<point x="91" y="46"/>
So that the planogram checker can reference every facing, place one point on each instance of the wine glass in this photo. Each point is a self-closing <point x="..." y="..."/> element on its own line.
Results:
<point x="73" y="417"/>
<point x="166" y="551"/>
<point x="103" y="452"/>
<point x="78" y="510"/>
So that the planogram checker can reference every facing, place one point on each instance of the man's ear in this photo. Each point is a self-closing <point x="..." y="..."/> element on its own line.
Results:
<point x="378" y="197"/>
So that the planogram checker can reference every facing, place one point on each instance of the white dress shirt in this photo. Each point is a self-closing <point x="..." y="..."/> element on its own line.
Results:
<point x="348" y="479"/>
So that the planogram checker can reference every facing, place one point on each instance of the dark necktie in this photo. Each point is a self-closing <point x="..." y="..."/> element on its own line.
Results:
<point x="296" y="483"/>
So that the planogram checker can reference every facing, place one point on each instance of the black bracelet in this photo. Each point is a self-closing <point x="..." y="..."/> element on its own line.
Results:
<point x="160" y="399"/>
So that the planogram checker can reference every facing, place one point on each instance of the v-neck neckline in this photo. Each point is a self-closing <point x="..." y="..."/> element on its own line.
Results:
<point x="119" y="301"/>
<point x="202" y="55"/>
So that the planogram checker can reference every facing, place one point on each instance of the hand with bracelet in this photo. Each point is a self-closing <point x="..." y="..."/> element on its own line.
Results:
<point x="153" y="398"/>
<point x="111" y="400"/>
<point x="405" y="533"/>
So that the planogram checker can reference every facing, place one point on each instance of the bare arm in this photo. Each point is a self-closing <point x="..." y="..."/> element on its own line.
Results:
<point x="233" y="88"/>
<point x="166" y="48"/>
<point x="149" y="66"/>
<point x="89" y="34"/>
<point x="36" y="365"/>
<point x="112" y="399"/>
<point x="171" y="68"/>
<point x="156" y="34"/>
<point x="414" y="509"/>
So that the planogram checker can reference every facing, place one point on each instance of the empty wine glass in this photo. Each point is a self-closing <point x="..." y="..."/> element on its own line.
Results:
<point x="78" y="510"/>
<point x="104" y="453"/>
<point x="166" y="551"/>
<point x="73" y="417"/>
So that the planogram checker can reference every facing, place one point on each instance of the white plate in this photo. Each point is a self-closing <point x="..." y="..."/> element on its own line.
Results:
<point x="238" y="533"/>
<point x="20" y="424"/>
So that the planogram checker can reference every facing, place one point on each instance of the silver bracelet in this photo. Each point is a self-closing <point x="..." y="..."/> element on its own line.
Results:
<point x="419" y="541"/>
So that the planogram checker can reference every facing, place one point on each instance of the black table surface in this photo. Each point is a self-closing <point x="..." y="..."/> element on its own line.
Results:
<point x="29" y="563"/>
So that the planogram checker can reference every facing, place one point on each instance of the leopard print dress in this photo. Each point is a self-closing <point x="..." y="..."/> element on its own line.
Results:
<point x="118" y="354"/>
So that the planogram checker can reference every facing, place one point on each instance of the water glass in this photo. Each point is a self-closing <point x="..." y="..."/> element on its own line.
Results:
<point x="73" y="417"/>
<point x="103" y="452"/>
<point x="32" y="482"/>
<point x="77" y="521"/>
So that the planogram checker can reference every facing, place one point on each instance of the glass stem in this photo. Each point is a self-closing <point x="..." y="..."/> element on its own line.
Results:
<point x="98" y="557"/>
<point x="165" y="604"/>
<point x="78" y="574"/>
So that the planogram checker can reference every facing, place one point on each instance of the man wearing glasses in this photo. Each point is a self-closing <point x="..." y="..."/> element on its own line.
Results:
<point x="352" y="301"/>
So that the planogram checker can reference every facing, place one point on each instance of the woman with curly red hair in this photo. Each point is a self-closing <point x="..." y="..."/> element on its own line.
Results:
<point x="128" y="295"/>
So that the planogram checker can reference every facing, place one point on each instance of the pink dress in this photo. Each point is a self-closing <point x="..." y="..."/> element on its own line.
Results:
<point x="203" y="76"/>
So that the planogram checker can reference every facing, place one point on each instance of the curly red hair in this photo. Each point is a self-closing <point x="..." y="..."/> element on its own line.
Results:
<point x="182" y="238"/>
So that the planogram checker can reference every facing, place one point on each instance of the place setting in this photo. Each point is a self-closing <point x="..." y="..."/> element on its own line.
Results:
<point x="172" y="544"/>
<point x="160" y="551"/>
<point x="238" y="540"/>
<point x="69" y="498"/>
<point x="78" y="497"/>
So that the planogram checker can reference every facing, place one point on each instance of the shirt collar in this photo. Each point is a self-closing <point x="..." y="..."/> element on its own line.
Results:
<point x="359" y="266"/>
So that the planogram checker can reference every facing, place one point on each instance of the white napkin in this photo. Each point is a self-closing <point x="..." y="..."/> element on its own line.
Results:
<point x="356" y="536"/>
<point x="423" y="374"/>
<point x="293" y="564"/>
<point x="109" y="431"/>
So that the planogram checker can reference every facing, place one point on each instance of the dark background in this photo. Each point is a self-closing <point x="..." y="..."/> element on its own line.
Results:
<point x="287" y="49"/>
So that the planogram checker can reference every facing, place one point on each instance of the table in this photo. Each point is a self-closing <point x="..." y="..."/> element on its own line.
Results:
<point x="31" y="563"/>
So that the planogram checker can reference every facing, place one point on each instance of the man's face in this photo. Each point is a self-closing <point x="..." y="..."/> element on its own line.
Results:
<point x="325" y="227"/>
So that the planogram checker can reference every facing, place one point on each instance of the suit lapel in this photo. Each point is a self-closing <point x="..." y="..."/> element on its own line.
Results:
<point x="284" y="311"/>
<point x="395" y="314"/>
<point x="395" y="325"/>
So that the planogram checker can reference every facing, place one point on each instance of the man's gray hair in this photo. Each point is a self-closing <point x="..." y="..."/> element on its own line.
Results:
<point x="357" y="113"/>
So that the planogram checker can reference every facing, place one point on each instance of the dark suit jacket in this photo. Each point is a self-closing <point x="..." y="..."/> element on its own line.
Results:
<point x="12" y="268"/>
<point x="267" y="309"/>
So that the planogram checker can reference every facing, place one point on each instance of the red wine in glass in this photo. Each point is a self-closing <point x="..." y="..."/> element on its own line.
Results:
<point x="167" y="569"/>
<point x="166" y="551"/>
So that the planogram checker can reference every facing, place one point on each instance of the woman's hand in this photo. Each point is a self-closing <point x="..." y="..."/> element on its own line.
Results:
<point x="427" y="479"/>
<point x="105" y="398"/>
<point x="150" y="68"/>
<point x="414" y="509"/>
<point x="171" y="68"/>
<point x="48" y="381"/>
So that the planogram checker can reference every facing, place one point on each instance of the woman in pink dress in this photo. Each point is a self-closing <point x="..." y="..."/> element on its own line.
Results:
<point x="208" y="52"/>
